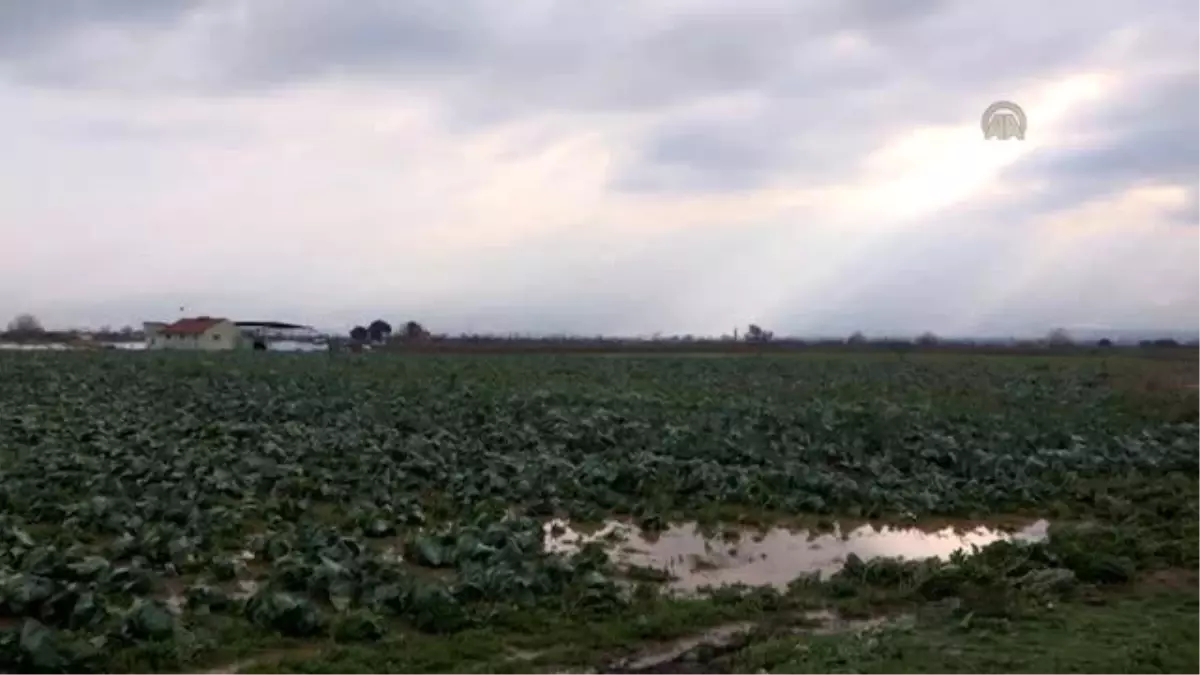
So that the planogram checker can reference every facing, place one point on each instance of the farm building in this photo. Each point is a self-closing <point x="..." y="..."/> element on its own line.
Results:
<point x="202" y="333"/>
<point x="208" y="333"/>
<point x="281" y="336"/>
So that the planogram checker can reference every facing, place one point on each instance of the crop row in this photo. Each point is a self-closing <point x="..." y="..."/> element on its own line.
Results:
<point x="143" y="491"/>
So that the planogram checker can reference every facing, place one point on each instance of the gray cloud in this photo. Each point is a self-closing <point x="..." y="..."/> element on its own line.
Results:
<point x="282" y="42"/>
<point x="1149" y="137"/>
<point x="705" y="158"/>
<point x="28" y="30"/>
<point x="907" y="67"/>
<point x="1189" y="213"/>
<point x="699" y="98"/>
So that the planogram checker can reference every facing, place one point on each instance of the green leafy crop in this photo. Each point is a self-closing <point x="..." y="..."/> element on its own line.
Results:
<point x="143" y="495"/>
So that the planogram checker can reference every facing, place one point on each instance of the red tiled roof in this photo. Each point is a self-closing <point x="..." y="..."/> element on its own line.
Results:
<point x="194" y="326"/>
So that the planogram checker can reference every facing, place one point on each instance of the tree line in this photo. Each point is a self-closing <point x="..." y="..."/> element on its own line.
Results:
<point x="380" y="331"/>
<point x="28" y="327"/>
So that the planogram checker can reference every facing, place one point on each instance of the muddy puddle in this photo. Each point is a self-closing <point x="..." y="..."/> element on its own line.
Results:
<point x="773" y="557"/>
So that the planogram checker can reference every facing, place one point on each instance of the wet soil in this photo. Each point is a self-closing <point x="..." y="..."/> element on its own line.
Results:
<point x="1173" y="579"/>
<point x="701" y="653"/>
<point x="261" y="659"/>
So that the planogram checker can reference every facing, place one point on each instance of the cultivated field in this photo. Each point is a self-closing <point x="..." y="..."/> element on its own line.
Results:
<point x="267" y="512"/>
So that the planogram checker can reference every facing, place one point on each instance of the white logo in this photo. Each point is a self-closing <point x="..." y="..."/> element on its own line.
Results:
<point x="1003" y="120"/>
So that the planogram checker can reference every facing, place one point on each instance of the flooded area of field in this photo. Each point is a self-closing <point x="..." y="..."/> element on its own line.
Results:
<point x="774" y="557"/>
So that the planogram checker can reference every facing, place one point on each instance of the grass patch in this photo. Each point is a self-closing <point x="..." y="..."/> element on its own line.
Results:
<point x="1152" y="633"/>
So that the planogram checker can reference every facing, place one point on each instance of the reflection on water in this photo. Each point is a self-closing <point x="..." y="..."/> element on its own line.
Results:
<point x="772" y="558"/>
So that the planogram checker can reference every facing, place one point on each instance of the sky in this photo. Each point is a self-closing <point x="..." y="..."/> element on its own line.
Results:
<point x="621" y="167"/>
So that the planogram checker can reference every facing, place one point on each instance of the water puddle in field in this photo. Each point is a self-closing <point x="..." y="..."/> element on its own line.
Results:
<point x="774" y="557"/>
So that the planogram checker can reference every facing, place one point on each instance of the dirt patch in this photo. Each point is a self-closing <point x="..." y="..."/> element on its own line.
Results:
<point x="241" y="589"/>
<point x="172" y="593"/>
<point x="272" y="656"/>
<point x="1172" y="401"/>
<point x="719" y="640"/>
<point x="694" y="558"/>
<point x="825" y="622"/>
<point x="696" y="653"/>
<point x="391" y="551"/>
<point x="1166" y="389"/>
<point x="1173" y="579"/>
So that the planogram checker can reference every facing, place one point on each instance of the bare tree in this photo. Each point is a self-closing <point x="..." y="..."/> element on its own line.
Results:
<point x="1059" y="337"/>
<point x="755" y="333"/>
<point x="25" y="324"/>
<point x="927" y="339"/>
<point x="414" y="331"/>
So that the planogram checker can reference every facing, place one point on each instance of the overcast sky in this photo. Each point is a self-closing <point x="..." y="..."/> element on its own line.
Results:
<point x="615" y="166"/>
